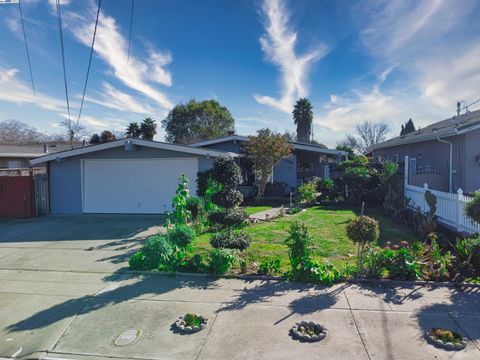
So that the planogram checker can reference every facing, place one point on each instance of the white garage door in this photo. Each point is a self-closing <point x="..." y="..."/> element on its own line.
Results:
<point x="142" y="186"/>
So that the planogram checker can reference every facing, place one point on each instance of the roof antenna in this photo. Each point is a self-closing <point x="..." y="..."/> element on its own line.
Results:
<point x="458" y="107"/>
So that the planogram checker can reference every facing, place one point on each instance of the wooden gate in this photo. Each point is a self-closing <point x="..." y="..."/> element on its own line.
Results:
<point x="23" y="193"/>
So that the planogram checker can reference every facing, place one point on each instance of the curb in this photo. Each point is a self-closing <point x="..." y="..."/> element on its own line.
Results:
<point x="376" y="282"/>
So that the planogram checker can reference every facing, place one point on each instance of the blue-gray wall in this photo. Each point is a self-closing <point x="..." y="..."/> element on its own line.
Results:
<point x="65" y="175"/>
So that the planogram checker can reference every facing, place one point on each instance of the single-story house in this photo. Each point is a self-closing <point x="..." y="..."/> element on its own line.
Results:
<point x="445" y="155"/>
<point x="305" y="162"/>
<point x="139" y="176"/>
<point x="122" y="176"/>
<point x="19" y="156"/>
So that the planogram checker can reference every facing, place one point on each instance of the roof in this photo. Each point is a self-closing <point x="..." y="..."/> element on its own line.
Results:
<point x="295" y="145"/>
<point x="126" y="141"/>
<point x="31" y="151"/>
<point x="453" y="126"/>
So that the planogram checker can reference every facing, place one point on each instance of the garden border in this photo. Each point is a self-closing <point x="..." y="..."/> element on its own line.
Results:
<point x="377" y="282"/>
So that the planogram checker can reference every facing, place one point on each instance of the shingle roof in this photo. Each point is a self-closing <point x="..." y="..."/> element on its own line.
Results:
<point x="455" y="125"/>
<point x="34" y="150"/>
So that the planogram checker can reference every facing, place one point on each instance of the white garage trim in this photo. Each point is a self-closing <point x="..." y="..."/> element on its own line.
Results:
<point x="126" y="186"/>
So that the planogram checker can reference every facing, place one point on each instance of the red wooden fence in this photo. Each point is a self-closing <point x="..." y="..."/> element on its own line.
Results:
<point x="17" y="197"/>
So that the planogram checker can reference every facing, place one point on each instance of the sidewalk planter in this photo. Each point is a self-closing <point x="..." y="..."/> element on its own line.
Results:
<point x="459" y="344"/>
<point x="184" y="327"/>
<point x="308" y="331"/>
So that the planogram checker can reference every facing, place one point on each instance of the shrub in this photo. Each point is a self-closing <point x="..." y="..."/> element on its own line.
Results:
<point x="299" y="245"/>
<point x="231" y="240"/>
<point x="195" y="207"/>
<point x="157" y="250"/>
<point x="202" y="181"/>
<point x="227" y="172"/>
<point x="136" y="261"/>
<point x="233" y="218"/>
<point x="308" y="192"/>
<point x="221" y="260"/>
<point x="472" y="208"/>
<point x="363" y="229"/>
<point x="179" y="203"/>
<point x="326" y="187"/>
<point x="181" y="236"/>
<point x="269" y="266"/>
<point x="227" y="198"/>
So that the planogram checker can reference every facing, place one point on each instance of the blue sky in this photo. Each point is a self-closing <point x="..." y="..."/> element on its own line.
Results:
<point x="367" y="60"/>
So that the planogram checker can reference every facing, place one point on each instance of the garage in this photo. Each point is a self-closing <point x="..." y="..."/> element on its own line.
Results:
<point x="135" y="186"/>
<point x="126" y="176"/>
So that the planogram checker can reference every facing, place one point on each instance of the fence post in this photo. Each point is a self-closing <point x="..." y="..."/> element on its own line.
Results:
<point x="460" y="210"/>
<point x="425" y="189"/>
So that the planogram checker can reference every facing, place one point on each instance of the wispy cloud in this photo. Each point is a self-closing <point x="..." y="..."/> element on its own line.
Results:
<point x="278" y="45"/>
<point x="111" y="47"/>
<point x="15" y="90"/>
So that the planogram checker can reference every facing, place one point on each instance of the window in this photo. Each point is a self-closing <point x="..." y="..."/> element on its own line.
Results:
<point x="396" y="157"/>
<point x="413" y="166"/>
<point x="14" y="164"/>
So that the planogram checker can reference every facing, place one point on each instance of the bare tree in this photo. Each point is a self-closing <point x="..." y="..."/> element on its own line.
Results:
<point x="14" y="132"/>
<point x="75" y="131"/>
<point x="369" y="133"/>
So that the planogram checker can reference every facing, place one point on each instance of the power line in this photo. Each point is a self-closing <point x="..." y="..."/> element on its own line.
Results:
<point x="26" y="47"/>
<point x="59" y="16"/>
<point x="89" y="61"/>
<point x="130" y="31"/>
<point x="473" y="103"/>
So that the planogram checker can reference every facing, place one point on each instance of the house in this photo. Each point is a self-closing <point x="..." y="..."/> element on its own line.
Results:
<point x="19" y="156"/>
<point x="445" y="155"/>
<point x="139" y="176"/>
<point x="305" y="162"/>
<point x="122" y="176"/>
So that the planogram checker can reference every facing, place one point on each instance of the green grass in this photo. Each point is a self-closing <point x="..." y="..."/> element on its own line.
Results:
<point x="256" y="209"/>
<point x="327" y="227"/>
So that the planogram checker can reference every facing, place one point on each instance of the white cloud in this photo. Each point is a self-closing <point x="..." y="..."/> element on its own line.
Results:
<point x="113" y="98"/>
<point x="17" y="91"/>
<point x="278" y="45"/>
<point x="112" y="48"/>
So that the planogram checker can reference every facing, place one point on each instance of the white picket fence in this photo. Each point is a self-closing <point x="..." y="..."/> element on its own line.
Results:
<point x="450" y="206"/>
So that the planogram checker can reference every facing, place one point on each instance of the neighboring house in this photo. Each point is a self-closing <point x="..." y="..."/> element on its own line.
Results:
<point x="307" y="161"/>
<point x="19" y="156"/>
<point x="445" y="155"/>
<point x="122" y="176"/>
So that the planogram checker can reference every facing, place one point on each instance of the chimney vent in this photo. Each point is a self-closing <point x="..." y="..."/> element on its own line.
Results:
<point x="45" y="149"/>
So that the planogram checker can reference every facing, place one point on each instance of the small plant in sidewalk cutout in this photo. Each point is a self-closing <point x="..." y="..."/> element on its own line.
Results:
<point x="308" y="331"/>
<point x="191" y="323"/>
<point x="446" y="339"/>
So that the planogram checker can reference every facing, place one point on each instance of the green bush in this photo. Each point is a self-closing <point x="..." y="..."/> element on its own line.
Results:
<point x="181" y="235"/>
<point x="202" y="181"/>
<point x="227" y="172"/>
<point x="472" y="208"/>
<point x="227" y="198"/>
<point x="363" y="230"/>
<point x="195" y="207"/>
<point x="231" y="240"/>
<point x="308" y="192"/>
<point x="157" y="250"/>
<point x="136" y="261"/>
<point x="221" y="260"/>
<point x="180" y="213"/>
<point x="232" y="218"/>
<point x="299" y="244"/>
<point x="326" y="187"/>
<point x="269" y="266"/>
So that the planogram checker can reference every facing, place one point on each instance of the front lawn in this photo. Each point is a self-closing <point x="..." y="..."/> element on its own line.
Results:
<point x="249" y="210"/>
<point x="327" y="227"/>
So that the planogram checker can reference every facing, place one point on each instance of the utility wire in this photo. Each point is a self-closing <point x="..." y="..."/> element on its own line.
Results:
<point x="89" y="61"/>
<point x="26" y="46"/>
<point x="59" y="16"/>
<point x="130" y="31"/>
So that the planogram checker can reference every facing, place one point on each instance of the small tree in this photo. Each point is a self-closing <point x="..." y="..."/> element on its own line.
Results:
<point x="265" y="151"/>
<point x="303" y="118"/>
<point x="107" y="136"/>
<point x="181" y="214"/>
<point x="95" y="139"/>
<point x="362" y="230"/>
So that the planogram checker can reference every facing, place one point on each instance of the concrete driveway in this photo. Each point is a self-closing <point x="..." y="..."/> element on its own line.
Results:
<point x="64" y="295"/>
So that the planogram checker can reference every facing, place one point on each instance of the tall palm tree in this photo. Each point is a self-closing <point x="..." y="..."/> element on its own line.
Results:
<point x="148" y="128"/>
<point x="133" y="130"/>
<point x="303" y="117"/>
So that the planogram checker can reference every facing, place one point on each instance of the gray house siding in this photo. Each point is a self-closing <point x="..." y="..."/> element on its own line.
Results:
<point x="434" y="155"/>
<point x="472" y="161"/>
<point x="66" y="181"/>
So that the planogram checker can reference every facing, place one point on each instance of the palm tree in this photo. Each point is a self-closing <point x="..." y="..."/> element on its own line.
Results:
<point x="148" y="128"/>
<point x="133" y="130"/>
<point x="303" y="117"/>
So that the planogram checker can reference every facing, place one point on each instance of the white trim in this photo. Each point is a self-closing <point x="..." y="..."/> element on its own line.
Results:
<point x="295" y="146"/>
<point x="122" y="142"/>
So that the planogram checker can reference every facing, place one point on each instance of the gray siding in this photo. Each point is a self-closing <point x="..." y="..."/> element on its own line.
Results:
<point x="65" y="175"/>
<point x="472" y="167"/>
<point x="286" y="172"/>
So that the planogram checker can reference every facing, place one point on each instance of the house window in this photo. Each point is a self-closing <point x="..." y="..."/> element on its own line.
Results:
<point x="396" y="157"/>
<point x="379" y="159"/>
<point x="305" y="167"/>
<point x="14" y="164"/>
